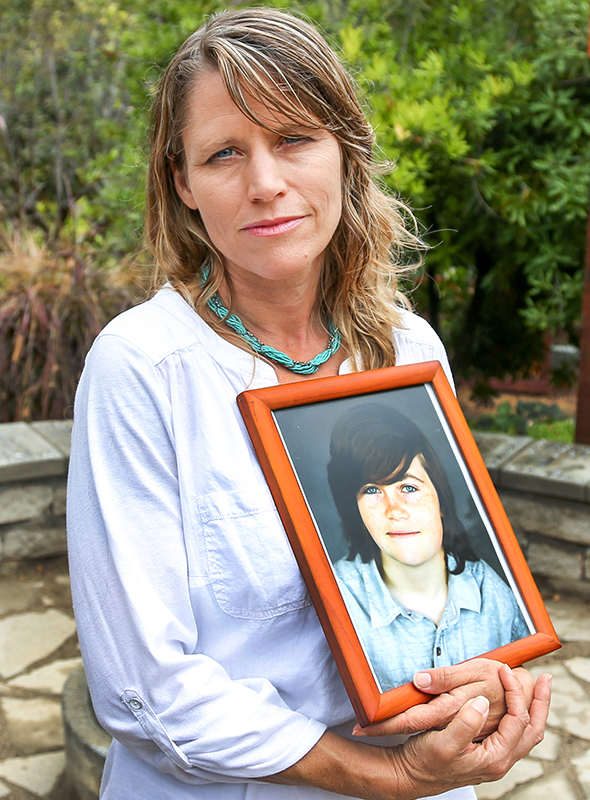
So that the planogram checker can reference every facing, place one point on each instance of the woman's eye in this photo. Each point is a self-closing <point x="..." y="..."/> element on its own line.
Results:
<point x="227" y="152"/>
<point x="407" y="488"/>
<point x="295" y="139"/>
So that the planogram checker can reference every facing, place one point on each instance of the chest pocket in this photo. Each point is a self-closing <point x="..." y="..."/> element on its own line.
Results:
<point x="252" y="569"/>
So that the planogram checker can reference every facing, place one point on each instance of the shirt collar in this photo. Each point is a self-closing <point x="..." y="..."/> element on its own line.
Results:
<point x="383" y="607"/>
<point x="464" y="591"/>
<point x="257" y="372"/>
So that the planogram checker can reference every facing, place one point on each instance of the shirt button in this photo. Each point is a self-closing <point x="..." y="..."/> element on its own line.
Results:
<point x="135" y="704"/>
<point x="438" y="651"/>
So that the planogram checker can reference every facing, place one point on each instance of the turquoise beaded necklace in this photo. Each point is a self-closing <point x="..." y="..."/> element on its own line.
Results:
<point x="300" y="367"/>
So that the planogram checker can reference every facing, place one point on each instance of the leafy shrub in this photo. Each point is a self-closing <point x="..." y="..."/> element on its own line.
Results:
<point x="483" y="104"/>
<point x="485" y="107"/>
<point x="562" y="430"/>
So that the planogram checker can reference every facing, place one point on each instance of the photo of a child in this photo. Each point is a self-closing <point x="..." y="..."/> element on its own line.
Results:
<point x="416" y="590"/>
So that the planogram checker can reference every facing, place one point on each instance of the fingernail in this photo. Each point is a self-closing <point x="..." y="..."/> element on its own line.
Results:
<point x="358" y="731"/>
<point x="422" y="680"/>
<point x="481" y="704"/>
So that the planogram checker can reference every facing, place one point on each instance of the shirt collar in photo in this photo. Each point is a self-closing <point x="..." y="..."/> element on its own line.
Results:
<point x="464" y="593"/>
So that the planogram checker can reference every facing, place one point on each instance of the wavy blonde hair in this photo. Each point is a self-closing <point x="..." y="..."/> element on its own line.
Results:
<point x="282" y="62"/>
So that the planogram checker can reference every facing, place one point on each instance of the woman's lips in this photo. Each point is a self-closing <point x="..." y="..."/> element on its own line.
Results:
<point x="272" y="227"/>
<point x="402" y="533"/>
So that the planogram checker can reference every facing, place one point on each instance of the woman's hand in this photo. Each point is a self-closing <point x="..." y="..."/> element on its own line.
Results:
<point x="448" y="757"/>
<point x="431" y="762"/>
<point x="453" y="687"/>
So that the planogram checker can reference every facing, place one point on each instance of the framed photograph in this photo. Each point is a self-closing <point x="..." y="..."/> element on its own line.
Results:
<point x="399" y="533"/>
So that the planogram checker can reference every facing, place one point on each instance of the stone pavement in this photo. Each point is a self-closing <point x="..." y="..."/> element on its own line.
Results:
<point x="559" y="767"/>
<point x="38" y="649"/>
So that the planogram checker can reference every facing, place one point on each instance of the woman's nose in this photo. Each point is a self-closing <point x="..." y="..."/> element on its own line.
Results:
<point x="265" y="176"/>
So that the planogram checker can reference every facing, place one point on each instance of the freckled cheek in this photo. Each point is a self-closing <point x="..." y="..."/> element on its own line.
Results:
<point x="431" y="520"/>
<point x="368" y="502"/>
<point x="432" y="509"/>
<point x="373" y="519"/>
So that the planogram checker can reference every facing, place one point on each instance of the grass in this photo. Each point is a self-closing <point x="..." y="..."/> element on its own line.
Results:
<point x="562" y="430"/>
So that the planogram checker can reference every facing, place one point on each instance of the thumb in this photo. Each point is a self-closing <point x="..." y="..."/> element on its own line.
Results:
<point x="464" y="727"/>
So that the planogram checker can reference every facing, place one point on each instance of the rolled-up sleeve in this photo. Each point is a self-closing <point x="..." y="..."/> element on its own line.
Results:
<point x="152" y="686"/>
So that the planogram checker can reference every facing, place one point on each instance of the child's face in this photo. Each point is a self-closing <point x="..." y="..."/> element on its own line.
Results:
<point x="404" y="517"/>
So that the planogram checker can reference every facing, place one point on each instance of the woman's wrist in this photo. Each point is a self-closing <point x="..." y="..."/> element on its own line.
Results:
<point x="435" y="761"/>
<point x="351" y="768"/>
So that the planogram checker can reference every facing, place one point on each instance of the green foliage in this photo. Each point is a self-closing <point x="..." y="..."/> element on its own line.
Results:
<point x="66" y="119"/>
<point x="485" y="108"/>
<point x="74" y="94"/>
<point x="564" y="430"/>
<point x="536" y="419"/>
<point x="483" y="105"/>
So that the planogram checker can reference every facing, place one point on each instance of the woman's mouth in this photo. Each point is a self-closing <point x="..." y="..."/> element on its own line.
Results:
<point x="402" y="533"/>
<point x="272" y="227"/>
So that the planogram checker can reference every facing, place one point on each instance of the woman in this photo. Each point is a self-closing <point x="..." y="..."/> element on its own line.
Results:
<point x="204" y="656"/>
<point x="419" y="595"/>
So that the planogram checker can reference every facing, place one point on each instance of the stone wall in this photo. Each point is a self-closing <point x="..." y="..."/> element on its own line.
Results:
<point x="544" y="486"/>
<point x="545" y="489"/>
<point x="33" y="468"/>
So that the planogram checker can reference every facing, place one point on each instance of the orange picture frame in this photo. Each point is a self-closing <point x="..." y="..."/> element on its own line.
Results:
<point x="290" y="424"/>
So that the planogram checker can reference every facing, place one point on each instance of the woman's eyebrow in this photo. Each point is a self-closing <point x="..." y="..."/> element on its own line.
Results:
<point x="214" y="145"/>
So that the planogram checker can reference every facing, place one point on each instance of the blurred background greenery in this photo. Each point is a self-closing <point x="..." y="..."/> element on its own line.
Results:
<point x="483" y="105"/>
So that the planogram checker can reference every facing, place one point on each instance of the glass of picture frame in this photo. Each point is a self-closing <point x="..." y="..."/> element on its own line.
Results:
<point x="405" y="548"/>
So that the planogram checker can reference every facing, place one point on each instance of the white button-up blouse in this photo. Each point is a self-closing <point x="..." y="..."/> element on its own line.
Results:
<point x="204" y="656"/>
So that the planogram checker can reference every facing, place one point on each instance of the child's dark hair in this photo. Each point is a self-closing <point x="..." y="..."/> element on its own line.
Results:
<point x="373" y="443"/>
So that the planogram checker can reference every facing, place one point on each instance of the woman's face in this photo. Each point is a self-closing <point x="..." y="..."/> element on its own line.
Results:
<point x="404" y="518"/>
<point x="270" y="203"/>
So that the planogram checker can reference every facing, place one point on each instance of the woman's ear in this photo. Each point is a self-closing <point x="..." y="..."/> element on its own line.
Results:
<point x="182" y="188"/>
